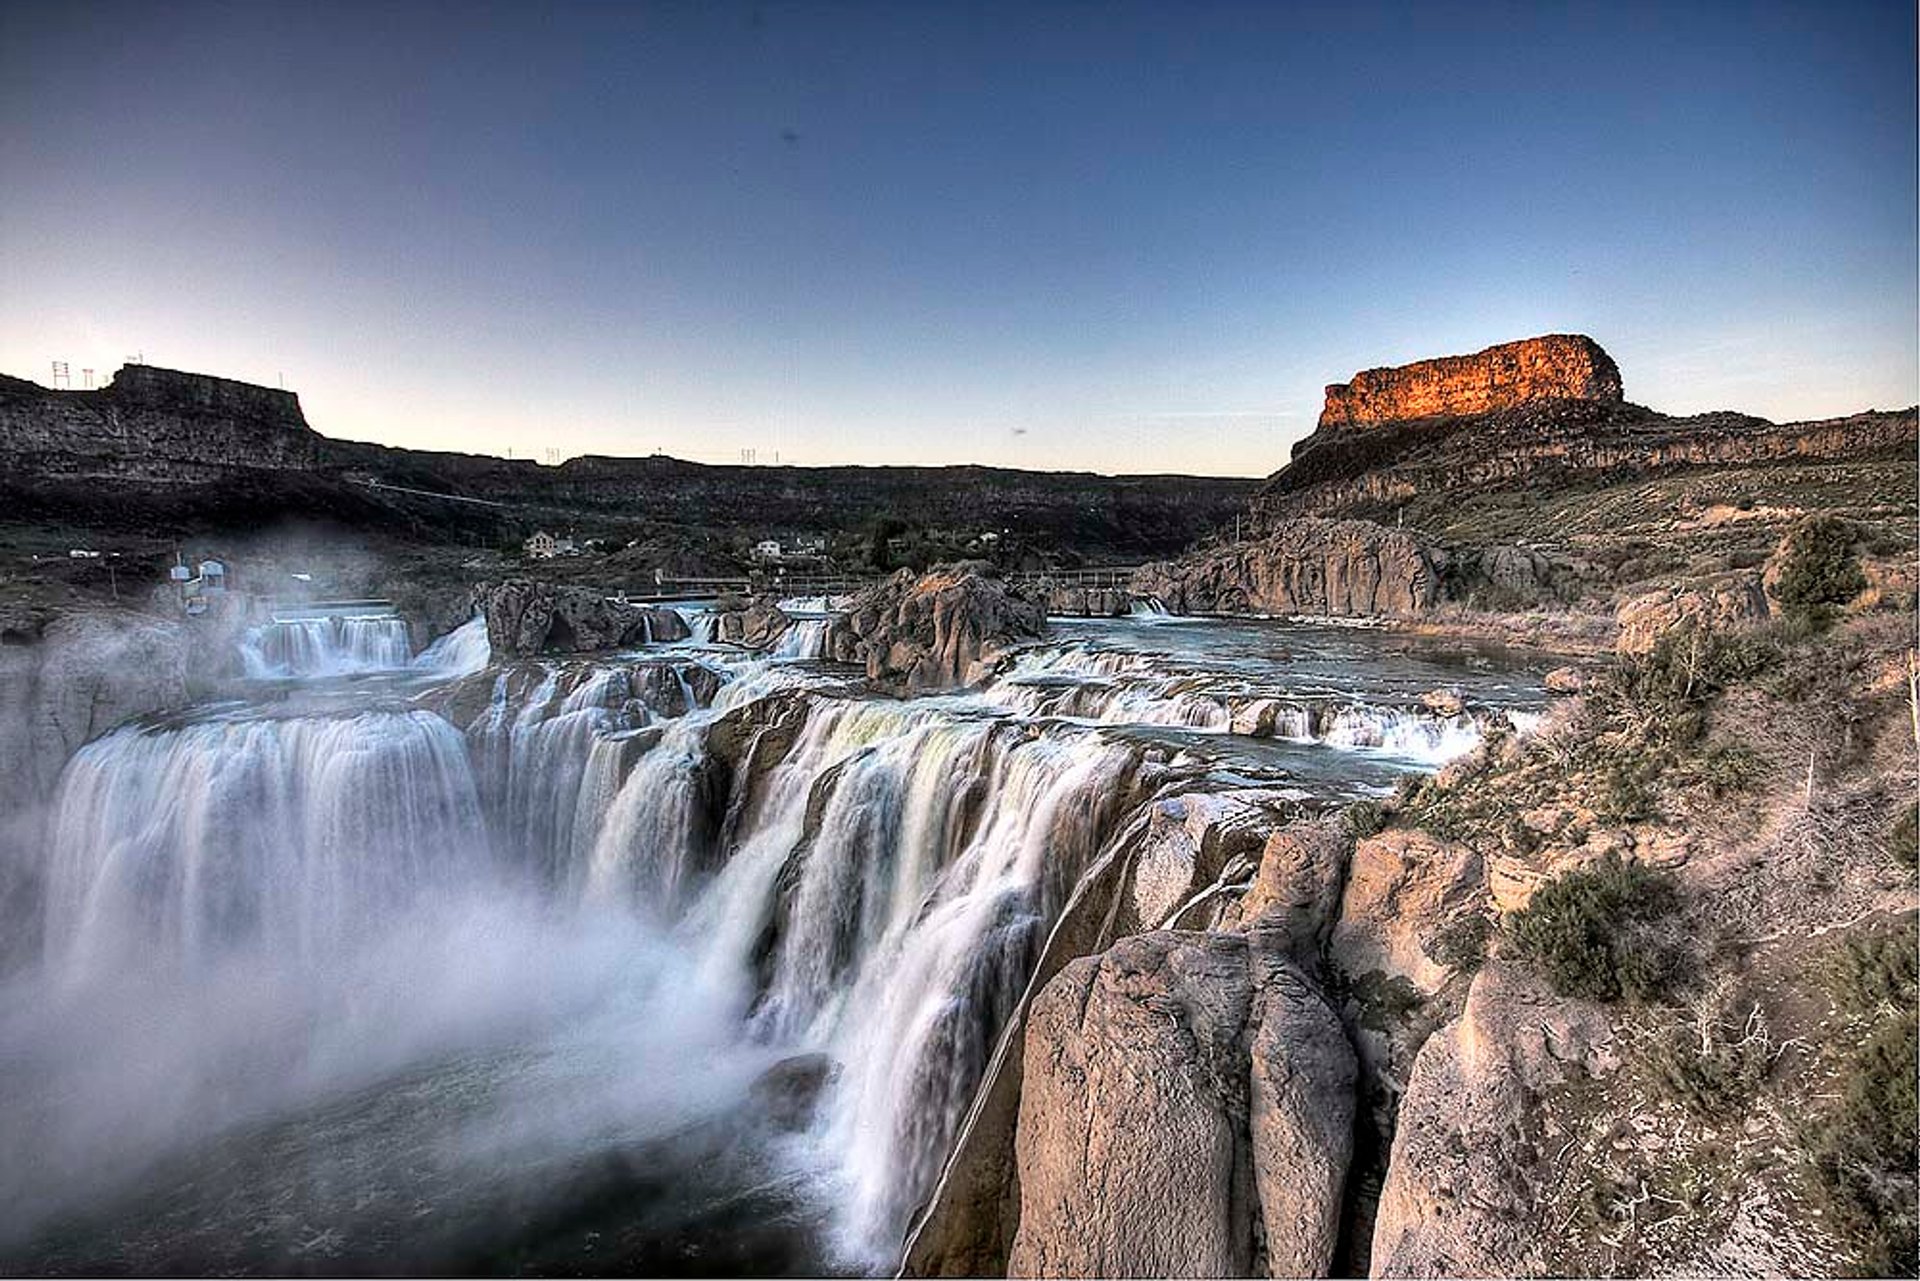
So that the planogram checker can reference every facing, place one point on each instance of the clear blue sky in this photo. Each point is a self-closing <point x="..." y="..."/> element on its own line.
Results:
<point x="1111" y="237"/>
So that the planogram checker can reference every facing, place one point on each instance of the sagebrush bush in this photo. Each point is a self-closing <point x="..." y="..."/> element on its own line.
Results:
<point x="1364" y="818"/>
<point x="1867" y="1148"/>
<point x="1605" y="932"/>
<point x="1818" y="566"/>
<point x="1461" y="945"/>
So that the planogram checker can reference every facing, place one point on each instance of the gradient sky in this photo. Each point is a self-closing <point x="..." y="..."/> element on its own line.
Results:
<point x="1108" y="237"/>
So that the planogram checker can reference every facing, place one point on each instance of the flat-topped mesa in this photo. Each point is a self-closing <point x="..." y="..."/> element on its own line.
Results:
<point x="151" y="387"/>
<point x="1556" y="367"/>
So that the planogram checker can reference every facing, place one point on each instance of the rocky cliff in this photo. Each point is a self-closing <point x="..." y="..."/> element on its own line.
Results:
<point x="1305" y="566"/>
<point x="1557" y="367"/>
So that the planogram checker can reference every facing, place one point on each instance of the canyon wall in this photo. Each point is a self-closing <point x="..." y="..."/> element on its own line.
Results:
<point x="1553" y="367"/>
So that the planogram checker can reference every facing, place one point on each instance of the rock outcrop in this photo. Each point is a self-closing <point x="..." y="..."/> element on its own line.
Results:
<point x="1725" y="603"/>
<point x="526" y="617"/>
<point x="941" y="630"/>
<point x="759" y="624"/>
<point x="1302" y="566"/>
<point x="1403" y="889"/>
<point x="1470" y="1157"/>
<point x="1551" y="368"/>
<point x="1187" y="1111"/>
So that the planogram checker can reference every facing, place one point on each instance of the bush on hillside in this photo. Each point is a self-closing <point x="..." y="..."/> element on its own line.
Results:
<point x="1817" y="567"/>
<point x="1604" y="933"/>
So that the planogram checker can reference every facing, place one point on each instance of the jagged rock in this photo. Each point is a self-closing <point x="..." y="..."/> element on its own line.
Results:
<point x="759" y="625"/>
<point x="942" y="629"/>
<point x="1725" y="603"/>
<point x="1443" y="702"/>
<point x="1302" y="566"/>
<point x="526" y="617"/>
<point x="1181" y="1091"/>
<point x="1555" y="367"/>
<point x="1403" y="888"/>
<point x="1469" y="1162"/>
<point x="1296" y="891"/>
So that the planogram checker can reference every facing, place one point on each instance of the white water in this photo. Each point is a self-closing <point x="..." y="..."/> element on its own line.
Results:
<point x="805" y="638"/>
<point x="333" y="646"/>
<point x="357" y="894"/>
<point x="464" y="651"/>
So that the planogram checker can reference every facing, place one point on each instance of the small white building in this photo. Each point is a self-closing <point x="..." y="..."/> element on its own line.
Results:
<point x="541" y="546"/>
<point x="767" y="549"/>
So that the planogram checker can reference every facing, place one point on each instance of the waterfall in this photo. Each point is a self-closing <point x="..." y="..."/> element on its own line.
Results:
<point x="331" y="646"/>
<point x="464" y="651"/>
<point x="181" y="842"/>
<point x="804" y="638"/>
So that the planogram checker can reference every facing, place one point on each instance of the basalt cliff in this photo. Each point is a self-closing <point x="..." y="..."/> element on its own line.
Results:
<point x="1521" y="477"/>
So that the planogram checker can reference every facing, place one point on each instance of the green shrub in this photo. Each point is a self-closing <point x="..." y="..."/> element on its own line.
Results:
<point x="1876" y="970"/>
<point x="1690" y="664"/>
<point x="1461" y="945"/>
<point x="1866" y="1148"/>
<point x="1604" y="933"/>
<point x="1818" y="567"/>
<point x="1364" y="818"/>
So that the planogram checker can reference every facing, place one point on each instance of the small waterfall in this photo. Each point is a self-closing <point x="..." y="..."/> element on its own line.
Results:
<point x="1147" y="607"/>
<point x="464" y="651"/>
<point x="332" y="646"/>
<point x="176" y="843"/>
<point x="805" y="638"/>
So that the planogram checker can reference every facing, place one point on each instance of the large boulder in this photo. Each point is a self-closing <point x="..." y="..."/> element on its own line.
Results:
<point x="1306" y="565"/>
<point x="1186" y="1111"/>
<point x="940" y="630"/>
<point x="527" y="617"/>
<point x="1403" y="889"/>
<point x="758" y="624"/>
<point x="1728" y="602"/>
<point x="1472" y="1153"/>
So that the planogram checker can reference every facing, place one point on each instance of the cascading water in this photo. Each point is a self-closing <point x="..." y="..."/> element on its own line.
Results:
<point x="586" y="924"/>
<point x="330" y="646"/>
<point x="805" y="638"/>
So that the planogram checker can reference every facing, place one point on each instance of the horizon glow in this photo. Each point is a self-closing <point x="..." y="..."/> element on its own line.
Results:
<point x="1121" y="239"/>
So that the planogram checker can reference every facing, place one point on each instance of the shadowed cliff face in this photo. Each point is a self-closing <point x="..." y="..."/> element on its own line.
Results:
<point x="1554" y="367"/>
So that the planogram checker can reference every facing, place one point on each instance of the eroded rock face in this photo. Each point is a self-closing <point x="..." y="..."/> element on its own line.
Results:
<point x="1403" y="888"/>
<point x="1186" y="1111"/>
<point x="1726" y="603"/>
<point x="1297" y="888"/>
<point x="1551" y="368"/>
<point x="758" y="626"/>
<point x="1349" y="568"/>
<point x="1463" y="1188"/>
<point x="941" y="630"/>
<point x="526" y="617"/>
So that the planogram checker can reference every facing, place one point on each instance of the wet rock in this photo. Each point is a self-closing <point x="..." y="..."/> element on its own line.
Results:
<point x="1443" y="702"/>
<point x="1565" y="680"/>
<point x="527" y="617"/>
<point x="941" y="630"/>
<point x="758" y="625"/>
<point x="788" y="1093"/>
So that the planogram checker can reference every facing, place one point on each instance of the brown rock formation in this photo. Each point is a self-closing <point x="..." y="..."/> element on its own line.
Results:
<point x="1725" y="603"/>
<point x="1550" y="368"/>
<point x="1403" y="888"/>
<point x="1470" y="1160"/>
<point x="943" y="629"/>
<point x="1303" y="566"/>
<point x="760" y="625"/>
<point x="526" y="617"/>
<point x="1187" y="1111"/>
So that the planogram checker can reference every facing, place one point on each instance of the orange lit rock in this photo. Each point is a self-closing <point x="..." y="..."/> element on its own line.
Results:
<point x="1555" y="367"/>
